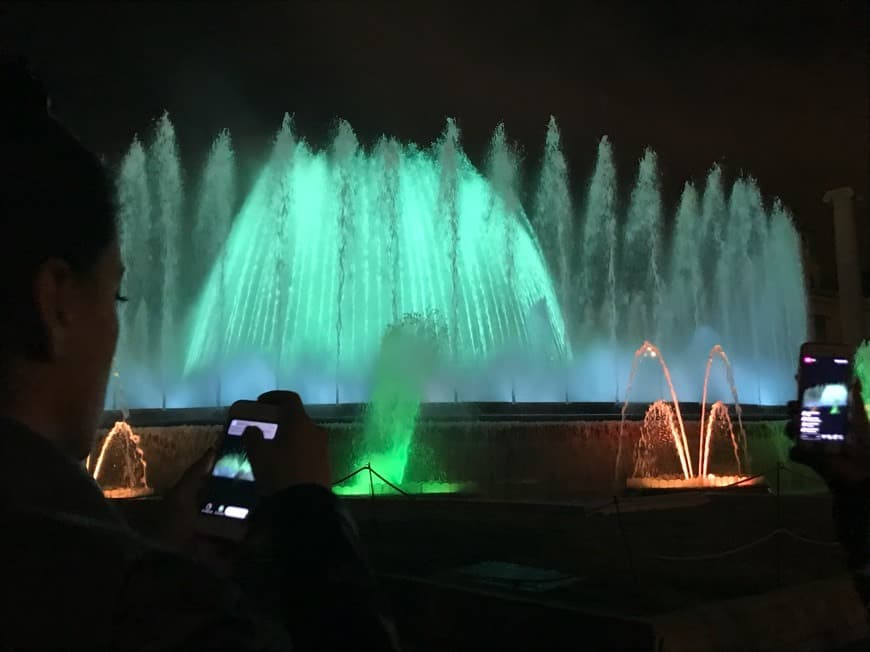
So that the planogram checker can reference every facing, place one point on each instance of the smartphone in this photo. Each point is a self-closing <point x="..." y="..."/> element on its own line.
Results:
<point x="824" y="378"/>
<point x="231" y="493"/>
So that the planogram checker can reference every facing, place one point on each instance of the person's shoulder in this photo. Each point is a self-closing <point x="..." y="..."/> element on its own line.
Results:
<point x="66" y="568"/>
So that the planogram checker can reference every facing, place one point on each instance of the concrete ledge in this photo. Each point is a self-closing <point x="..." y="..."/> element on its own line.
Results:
<point x="822" y="615"/>
<point x="440" y="616"/>
<point x="817" y="616"/>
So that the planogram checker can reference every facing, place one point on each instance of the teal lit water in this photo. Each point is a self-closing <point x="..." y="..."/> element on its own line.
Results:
<point x="293" y="280"/>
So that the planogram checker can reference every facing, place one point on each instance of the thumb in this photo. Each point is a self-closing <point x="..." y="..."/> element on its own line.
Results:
<point x="193" y="479"/>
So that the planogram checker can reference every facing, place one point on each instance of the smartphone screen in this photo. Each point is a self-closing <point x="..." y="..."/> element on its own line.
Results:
<point x="824" y="395"/>
<point x="231" y="489"/>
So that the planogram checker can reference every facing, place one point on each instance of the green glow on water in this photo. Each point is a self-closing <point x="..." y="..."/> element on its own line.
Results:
<point x="408" y="353"/>
<point x="862" y="373"/>
<point x="359" y="486"/>
<point x="493" y="315"/>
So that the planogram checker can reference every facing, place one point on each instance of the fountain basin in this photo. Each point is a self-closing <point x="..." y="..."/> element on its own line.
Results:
<point x="505" y="460"/>
<point x="709" y="481"/>
<point x="124" y="493"/>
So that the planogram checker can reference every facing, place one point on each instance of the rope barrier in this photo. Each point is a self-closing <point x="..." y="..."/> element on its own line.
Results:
<point x="368" y="467"/>
<point x="733" y="551"/>
<point x="811" y="541"/>
<point x="716" y="555"/>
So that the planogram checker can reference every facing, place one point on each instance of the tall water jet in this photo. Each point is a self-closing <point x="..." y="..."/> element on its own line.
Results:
<point x="714" y="215"/>
<point x="756" y="292"/>
<point x="732" y="287"/>
<point x="215" y="210"/>
<point x="163" y="157"/>
<point x="649" y="350"/>
<point x="554" y="215"/>
<point x="134" y="216"/>
<point x="503" y="173"/>
<point x="685" y="274"/>
<point x="598" y="259"/>
<point x="448" y="159"/>
<point x="345" y="149"/>
<point x="783" y="267"/>
<point x="706" y="432"/>
<point x="640" y="282"/>
<point x="389" y="152"/>
<point x="281" y="166"/>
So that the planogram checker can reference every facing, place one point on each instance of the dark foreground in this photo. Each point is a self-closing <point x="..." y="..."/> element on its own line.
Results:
<point x="669" y="572"/>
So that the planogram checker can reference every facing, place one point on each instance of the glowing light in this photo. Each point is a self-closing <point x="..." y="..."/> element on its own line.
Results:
<point x="663" y="425"/>
<point x="127" y="477"/>
<point x="709" y="481"/>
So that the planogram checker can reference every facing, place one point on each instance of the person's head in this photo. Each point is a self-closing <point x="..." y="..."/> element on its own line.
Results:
<point x="60" y="270"/>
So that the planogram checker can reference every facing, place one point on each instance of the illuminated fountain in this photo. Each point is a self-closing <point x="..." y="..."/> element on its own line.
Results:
<point x="408" y="352"/>
<point x="120" y="467"/>
<point x="294" y="280"/>
<point x="662" y="454"/>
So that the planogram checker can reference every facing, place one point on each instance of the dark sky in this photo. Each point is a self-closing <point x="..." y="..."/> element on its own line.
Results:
<point x="776" y="89"/>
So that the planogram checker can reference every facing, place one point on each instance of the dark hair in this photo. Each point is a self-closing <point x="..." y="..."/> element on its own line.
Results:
<point x="56" y="201"/>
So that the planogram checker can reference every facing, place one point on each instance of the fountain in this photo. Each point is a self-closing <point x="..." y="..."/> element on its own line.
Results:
<point x="390" y="420"/>
<point x="294" y="280"/>
<point x="662" y="456"/>
<point x="120" y="467"/>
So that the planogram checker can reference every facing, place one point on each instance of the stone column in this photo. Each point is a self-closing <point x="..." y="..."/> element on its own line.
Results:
<point x="848" y="269"/>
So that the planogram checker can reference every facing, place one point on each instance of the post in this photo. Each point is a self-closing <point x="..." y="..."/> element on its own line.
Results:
<point x="778" y="535"/>
<point x="848" y="269"/>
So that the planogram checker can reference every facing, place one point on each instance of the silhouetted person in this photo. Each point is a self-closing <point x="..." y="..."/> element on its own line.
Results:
<point x="848" y="477"/>
<point x="75" y="576"/>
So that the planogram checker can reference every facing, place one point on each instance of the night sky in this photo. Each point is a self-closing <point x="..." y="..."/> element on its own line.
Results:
<point x="778" y="90"/>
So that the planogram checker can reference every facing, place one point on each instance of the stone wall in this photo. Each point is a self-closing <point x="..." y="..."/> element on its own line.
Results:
<point x="502" y="460"/>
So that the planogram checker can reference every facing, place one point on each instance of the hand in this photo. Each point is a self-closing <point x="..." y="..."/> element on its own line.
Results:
<point x="851" y="468"/>
<point x="299" y="453"/>
<point x="181" y="503"/>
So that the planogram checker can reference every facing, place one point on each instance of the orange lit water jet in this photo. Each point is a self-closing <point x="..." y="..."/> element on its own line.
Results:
<point x="704" y="444"/>
<point x="663" y="424"/>
<point x="647" y="349"/>
<point x="130" y="477"/>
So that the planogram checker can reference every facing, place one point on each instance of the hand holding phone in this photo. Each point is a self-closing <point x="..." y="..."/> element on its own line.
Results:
<point x="299" y="454"/>
<point x="824" y="379"/>
<point x="268" y="445"/>
<point x="842" y="458"/>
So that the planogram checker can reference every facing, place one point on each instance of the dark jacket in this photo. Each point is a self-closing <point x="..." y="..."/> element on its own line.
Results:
<point x="75" y="576"/>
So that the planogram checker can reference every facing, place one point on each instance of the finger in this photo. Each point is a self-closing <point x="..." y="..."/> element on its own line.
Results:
<point x="192" y="481"/>
<point x="252" y="439"/>
<point x="285" y="399"/>
<point x="857" y="397"/>
<point x="293" y="414"/>
<point x="859" y="425"/>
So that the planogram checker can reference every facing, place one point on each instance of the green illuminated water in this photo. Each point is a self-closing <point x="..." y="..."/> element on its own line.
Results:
<point x="292" y="278"/>
<point x="862" y="373"/>
<point x="408" y="355"/>
<point x="339" y="289"/>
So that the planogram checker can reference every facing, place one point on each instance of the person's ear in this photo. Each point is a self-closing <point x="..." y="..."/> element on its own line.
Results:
<point x="53" y="291"/>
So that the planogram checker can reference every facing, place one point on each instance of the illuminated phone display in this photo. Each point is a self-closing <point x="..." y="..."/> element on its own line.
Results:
<point x="824" y="392"/>
<point x="231" y="490"/>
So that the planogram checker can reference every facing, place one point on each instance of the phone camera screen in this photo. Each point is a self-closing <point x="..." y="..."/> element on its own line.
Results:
<point x="232" y="492"/>
<point x="824" y="398"/>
